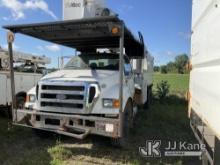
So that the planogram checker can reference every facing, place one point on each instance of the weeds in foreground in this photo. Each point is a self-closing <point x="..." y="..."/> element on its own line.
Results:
<point x="163" y="89"/>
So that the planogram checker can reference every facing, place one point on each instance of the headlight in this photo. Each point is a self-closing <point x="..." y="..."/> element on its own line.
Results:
<point x="111" y="103"/>
<point x="31" y="98"/>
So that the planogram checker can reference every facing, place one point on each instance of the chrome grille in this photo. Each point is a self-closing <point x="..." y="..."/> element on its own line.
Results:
<point x="63" y="97"/>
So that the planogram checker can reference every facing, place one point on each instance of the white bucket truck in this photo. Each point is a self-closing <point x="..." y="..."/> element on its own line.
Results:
<point x="28" y="68"/>
<point x="95" y="92"/>
<point x="79" y="9"/>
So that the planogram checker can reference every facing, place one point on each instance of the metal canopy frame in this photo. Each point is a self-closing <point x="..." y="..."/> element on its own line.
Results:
<point x="83" y="35"/>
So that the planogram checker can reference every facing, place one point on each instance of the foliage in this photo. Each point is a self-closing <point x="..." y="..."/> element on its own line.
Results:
<point x="179" y="83"/>
<point x="163" y="89"/>
<point x="163" y="69"/>
<point x="181" y="62"/>
<point x="156" y="68"/>
<point x="171" y="67"/>
<point x="178" y="66"/>
<point x="58" y="153"/>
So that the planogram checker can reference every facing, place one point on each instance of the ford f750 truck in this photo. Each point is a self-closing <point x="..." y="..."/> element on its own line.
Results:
<point x="95" y="93"/>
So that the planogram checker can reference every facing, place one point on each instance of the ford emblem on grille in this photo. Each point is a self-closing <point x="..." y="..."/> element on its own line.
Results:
<point x="61" y="97"/>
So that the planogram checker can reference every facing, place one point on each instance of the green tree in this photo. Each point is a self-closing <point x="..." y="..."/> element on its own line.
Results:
<point x="163" y="69"/>
<point x="181" y="62"/>
<point x="156" y="68"/>
<point x="171" y="67"/>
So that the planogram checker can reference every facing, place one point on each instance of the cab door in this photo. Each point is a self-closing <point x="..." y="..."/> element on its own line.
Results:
<point x="129" y="77"/>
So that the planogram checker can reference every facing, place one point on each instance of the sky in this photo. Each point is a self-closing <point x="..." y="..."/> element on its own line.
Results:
<point x="165" y="25"/>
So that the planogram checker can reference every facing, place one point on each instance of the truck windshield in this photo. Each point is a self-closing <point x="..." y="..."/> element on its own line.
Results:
<point x="98" y="61"/>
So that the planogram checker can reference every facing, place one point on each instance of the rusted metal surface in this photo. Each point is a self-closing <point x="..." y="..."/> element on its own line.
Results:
<point x="10" y="39"/>
<point x="68" y="124"/>
<point x="206" y="136"/>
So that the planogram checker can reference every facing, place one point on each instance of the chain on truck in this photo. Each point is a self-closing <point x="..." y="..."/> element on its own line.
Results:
<point x="98" y="90"/>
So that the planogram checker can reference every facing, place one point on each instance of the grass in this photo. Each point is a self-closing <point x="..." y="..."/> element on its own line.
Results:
<point x="179" y="84"/>
<point x="165" y="120"/>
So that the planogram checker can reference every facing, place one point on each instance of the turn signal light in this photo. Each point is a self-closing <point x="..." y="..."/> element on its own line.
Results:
<point x="111" y="103"/>
<point x="115" y="30"/>
<point x="116" y="103"/>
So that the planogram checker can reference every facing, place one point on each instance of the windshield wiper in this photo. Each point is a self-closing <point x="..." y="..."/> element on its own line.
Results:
<point x="73" y="67"/>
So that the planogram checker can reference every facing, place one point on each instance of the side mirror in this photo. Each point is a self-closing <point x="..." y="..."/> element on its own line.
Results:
<point x="127" y="70"/>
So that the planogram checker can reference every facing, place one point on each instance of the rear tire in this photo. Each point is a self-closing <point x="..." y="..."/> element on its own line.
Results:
<point x="127" y="126"/>
<point x="149" y="97"/>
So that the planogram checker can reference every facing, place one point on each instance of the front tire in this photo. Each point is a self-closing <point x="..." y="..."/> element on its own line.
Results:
<point x="127" y="126"/>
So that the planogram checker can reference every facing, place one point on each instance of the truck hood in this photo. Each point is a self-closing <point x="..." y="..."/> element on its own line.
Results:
<point x="82" y="75"/>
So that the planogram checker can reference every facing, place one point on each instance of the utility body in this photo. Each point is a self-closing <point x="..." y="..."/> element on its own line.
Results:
<point x="204" y="77"/>
<point x="29" y="69"/>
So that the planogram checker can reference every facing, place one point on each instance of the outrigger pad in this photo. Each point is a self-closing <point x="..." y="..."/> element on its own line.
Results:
<point x="89" y="33"/>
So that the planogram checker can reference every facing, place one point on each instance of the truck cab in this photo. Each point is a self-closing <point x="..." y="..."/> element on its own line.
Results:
<point x="88" y="84"/>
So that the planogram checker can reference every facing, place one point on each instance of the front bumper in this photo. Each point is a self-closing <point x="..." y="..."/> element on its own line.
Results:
<point x="77" y="126"/>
